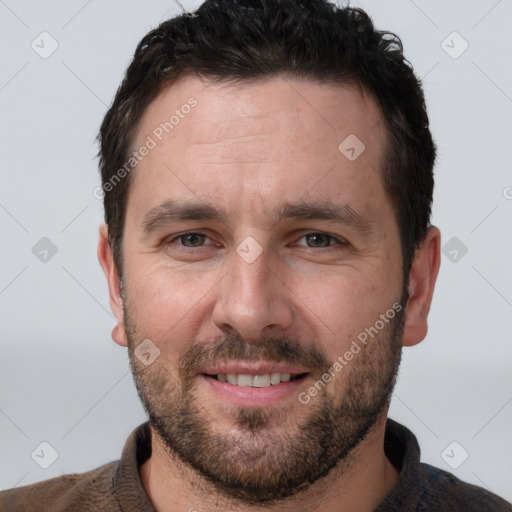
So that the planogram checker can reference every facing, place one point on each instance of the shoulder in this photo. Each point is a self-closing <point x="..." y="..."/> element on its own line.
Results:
<point x="425" y="488"/>
<point x="441" y="488"/>
<point x="82" y="492"/>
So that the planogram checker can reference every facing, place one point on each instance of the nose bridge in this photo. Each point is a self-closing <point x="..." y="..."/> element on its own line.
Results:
<point x="251" y="298"/>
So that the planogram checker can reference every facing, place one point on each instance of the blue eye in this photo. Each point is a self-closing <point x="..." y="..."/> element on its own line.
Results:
<point x="322" y="240"/>
<point x="192" y="238"/>
<point x="314" y="239"/>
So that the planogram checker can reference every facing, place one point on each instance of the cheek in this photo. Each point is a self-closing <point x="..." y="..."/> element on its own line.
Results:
<point x="343" y="304"/>
<point x="163" y="301"/>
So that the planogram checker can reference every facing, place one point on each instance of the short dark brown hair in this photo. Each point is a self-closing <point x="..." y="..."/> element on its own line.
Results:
<point x="244" y="40"/>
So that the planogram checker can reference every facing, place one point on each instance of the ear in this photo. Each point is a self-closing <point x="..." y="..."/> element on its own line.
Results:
<point x="422" y="280"/>
<point x="106" y="260"/>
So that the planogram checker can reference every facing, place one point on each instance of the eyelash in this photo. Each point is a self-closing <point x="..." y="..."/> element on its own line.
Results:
<point x="340" y="241"/>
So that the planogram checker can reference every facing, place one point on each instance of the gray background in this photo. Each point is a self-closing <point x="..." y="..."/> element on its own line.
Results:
<point x="62" y="378"/>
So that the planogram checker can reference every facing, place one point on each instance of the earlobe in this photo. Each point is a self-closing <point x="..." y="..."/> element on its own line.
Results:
<point x="119" y="335"/>
<point x="423" y="275"/>
<point x="106" y="260"/>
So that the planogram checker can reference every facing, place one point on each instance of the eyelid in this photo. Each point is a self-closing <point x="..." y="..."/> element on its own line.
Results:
<point x="341" y="240"/>
<point x="173" y="238"/>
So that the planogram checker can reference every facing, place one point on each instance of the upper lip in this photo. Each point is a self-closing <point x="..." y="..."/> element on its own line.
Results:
<point x="252" y="368"/>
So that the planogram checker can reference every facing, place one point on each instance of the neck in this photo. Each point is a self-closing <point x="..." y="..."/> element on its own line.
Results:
<point x="359" y="484"/>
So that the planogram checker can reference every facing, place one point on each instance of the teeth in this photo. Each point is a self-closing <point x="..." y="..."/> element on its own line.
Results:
<point x="244" y="380"/>
<point x="260" y="381"/>
<point x="275" y="378"/>
<point x="254" y="381"/>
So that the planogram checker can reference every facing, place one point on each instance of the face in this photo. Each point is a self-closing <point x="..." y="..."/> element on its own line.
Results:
<point x="262" y="261"/>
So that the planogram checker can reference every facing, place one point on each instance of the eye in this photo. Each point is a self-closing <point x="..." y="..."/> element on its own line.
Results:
<point x="189" y="240"/>
<point x="322" y="240"/>
<point x="193" y="240"/>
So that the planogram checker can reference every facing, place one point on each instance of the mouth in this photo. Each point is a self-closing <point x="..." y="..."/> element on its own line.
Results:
<point x="254" y="383"/>
<point x="262" y="380"/>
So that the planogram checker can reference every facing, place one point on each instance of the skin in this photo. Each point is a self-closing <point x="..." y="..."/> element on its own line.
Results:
<point x="246" y="148"/>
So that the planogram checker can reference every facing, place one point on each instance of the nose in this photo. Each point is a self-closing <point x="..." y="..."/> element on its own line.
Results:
<point x="253" y="298"/>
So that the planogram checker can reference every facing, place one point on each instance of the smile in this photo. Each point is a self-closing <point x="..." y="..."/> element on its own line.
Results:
<point x="256" y="381"/>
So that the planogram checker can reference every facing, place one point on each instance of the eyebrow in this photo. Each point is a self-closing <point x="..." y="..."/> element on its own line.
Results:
<point x="176" y="210"/>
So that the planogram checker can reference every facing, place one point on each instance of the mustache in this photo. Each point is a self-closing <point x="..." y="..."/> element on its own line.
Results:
<point x="276" y="349"/>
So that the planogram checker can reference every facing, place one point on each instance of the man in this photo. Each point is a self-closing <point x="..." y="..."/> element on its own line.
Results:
<point x="267" y="171"/>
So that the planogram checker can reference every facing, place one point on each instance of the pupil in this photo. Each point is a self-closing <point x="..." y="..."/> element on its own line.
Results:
<point x="193" y="238"/>
<point x="315" y="238"/>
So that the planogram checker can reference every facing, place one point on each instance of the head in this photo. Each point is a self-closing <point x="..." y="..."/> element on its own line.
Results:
<point x="268" y="173"/>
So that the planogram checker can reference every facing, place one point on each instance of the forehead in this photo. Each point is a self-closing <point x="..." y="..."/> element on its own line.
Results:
<point x="251" y="145"/>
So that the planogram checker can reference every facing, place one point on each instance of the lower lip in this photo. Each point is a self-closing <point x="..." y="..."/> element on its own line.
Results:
<point x="254" y="397"/>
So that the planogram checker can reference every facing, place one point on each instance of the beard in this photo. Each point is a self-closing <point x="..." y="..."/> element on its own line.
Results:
<point x="259" y="461"/>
